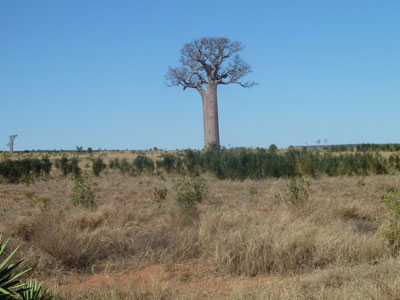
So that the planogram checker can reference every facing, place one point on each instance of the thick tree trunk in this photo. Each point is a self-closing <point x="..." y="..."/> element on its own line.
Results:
<point x="210" y="115"/>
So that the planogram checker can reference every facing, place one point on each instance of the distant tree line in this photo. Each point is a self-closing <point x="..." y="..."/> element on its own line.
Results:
<point x="242" y="163"/>
<point x="360" y="147"/>
<point x="235" y="163"/>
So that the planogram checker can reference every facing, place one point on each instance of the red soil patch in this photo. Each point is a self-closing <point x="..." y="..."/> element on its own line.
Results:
<point x="5" y="196"/>
<point x="191" y="276"/>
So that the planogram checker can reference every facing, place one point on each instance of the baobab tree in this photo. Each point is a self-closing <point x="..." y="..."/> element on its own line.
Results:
<point x="204" y="64"/>
<point x="11" y="142"/>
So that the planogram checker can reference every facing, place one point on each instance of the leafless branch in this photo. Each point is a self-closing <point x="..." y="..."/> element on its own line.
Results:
<point x="209" y="60"/>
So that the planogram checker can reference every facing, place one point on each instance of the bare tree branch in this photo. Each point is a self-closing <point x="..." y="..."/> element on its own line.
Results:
<point x="209" y="60"/>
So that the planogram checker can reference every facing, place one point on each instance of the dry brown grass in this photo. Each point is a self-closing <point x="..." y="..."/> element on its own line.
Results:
<point x="328" y="247"/>
<point x="365" y="281"/>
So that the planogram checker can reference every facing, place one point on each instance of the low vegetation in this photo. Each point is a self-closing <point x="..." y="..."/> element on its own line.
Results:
<point x="237" y="163"/>
<point x="317" y="236"/>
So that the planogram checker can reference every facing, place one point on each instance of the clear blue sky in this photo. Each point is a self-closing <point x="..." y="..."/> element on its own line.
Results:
<point x="91" y="73"/>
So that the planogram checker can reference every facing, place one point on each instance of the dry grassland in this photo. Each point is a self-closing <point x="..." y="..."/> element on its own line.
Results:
<point x="247" y="242"/>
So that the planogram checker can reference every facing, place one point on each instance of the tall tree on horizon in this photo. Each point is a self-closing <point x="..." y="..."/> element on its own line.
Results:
<point x="11" y="139"/>
<point x="205" y="64"/>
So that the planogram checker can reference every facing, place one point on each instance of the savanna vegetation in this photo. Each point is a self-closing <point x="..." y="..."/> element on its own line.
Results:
<point x="296" y="223"/>
<point x="236" y="163"/>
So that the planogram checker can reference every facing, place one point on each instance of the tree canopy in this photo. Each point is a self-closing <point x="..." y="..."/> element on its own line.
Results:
<point x="209" y="60"/>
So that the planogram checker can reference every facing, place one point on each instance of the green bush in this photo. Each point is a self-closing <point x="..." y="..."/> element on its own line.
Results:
<point x="242" y="163"/>
<point x="69" y="166"/>
<point x="252" y="191"/>
<point x="168" y="162"/>
<point x="27" y="169"/>
<point x="83" y="193"/>
<point x="160" y="194"/>
<point x="98" y="166"/>
<point x="297" y="192"/>
<point x="114" y="163"/>
<point x="391" y="228"/>
<point x="143" y="163"/>
<point x="125" y="167"/>
<point x="192" y="162"/>
<point x="189" y="192"/>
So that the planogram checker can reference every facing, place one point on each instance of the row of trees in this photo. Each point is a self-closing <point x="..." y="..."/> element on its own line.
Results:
<point x="237" y="163"/>
<point x="363" y="148"/>
<point x="241" y="163"/>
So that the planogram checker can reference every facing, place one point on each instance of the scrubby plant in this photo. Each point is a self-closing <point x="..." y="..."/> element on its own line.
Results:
<point x="30" y="194"/>
<point x="297" y="191"/>
<point x="42" y="202"/>
<point x="189" y="192"/>
<point x="143" y="163"/>
<point x="125" y="167"/>
<point x="27" y="169"/>
<point x="69" y="166"/>
<point x="83" y="193"/>
<point x="252" y="191"/>
<point x="114" y="163"/>
<point x="168" y="162"/>
<point x="192" y="190"/>
<point x="273" y="148"/>
<point x="98" y="166"/>
<point x="391" y="228"/>
<point x="192" y="162"/>
<point x="242" y="163"/>
<point x="160" y="194"/>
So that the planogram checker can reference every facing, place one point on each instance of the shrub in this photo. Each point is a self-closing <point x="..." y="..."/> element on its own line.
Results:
<point x="242" y="163"/>
<point x="189" y="192"/>
<point x="143" y="163"/>
<point x="391" y="229"/>
<point x="98" y="166"/>
<point x="46" y="166"/>
<point x="124" y="166"/>
<point x="114" y="163"/>
<point x="273" y="148"/>
<point x="252" y="191"/>
<point x="83" y="193"/>
<point x="15" y="171"/>
<point x="297" y="192"/>
<point x="42" y="202"/>
<point x="192" y="162"/>
<point x="68" y="166"/>
<point x="160" y="194"/>
<point x="168" y="162"/>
